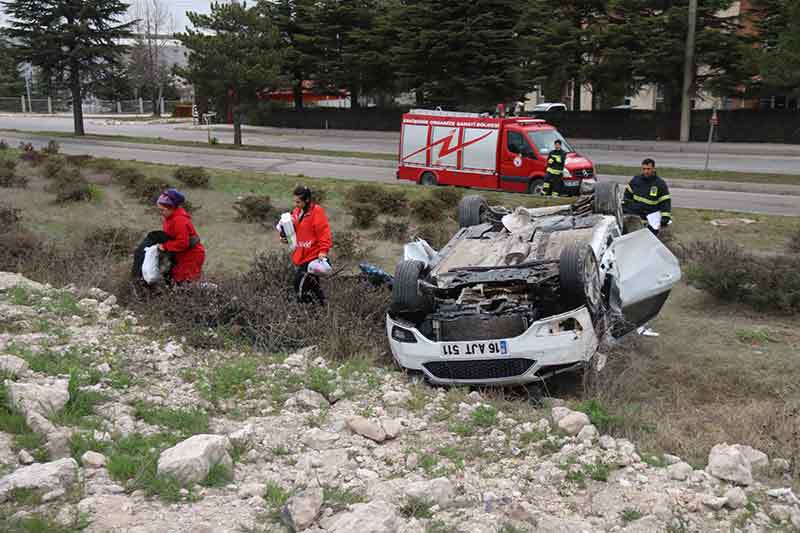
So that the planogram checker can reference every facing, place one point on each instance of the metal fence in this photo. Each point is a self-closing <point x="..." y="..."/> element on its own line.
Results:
<point x="92" y="106"/>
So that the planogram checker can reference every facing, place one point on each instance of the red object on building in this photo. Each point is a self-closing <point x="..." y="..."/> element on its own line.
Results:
<point x="468" y="150"/>
<point x="309" y="96"/>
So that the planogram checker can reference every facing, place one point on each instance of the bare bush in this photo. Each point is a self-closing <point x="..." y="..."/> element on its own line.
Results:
<point x="254" y="209"/>
<point x="52" y="148"/>
<point x="79" y="161"/>
<point x="9" y="217"/>
<point x="111" y="241"/>
<point x="428" y="209"/>
<point x="364" y="214"/>
<point x="793" y="246"/>
<point x="437" y="234"/>
<point x="447" y="196"/>
<point x="731" y="274"/>
<point x="192" y="176"/>
<point x="9" y="177"/>
<point x="128" y="177"/>
<point x="388" y="201"/>
<point x="394" y="230"/>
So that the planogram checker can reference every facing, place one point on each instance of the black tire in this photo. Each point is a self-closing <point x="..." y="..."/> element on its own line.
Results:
<point x="579" y="276"/>
<point x="536" y="186"/>
<point x="471" y="210"/>
<point x="608" y="201"/>
<point x="428" y="178"/>
<point x="405" y="290"/>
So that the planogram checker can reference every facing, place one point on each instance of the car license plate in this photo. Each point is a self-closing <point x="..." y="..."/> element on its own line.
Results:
<point x="475" y="349"/>
<point x="571" y="183"/>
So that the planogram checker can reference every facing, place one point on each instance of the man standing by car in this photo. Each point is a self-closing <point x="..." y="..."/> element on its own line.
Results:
<point x="647" y="196"/>
<point x="555" y="170"/>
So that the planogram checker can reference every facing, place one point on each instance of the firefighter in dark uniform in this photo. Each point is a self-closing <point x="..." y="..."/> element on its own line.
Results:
<point x="553" y="183"/>
<point x="647" y="194"/>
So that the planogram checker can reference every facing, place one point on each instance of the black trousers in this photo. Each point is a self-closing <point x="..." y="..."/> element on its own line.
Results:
<point x="556" y="184"/>
<point x="307" y="287"/>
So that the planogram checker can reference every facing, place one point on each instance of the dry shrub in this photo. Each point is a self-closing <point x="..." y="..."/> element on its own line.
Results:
<point x="347" y="246"/>
<point x="52" y="148"/>
<point x="364" y="215"/>
<point x="9" y="177"/>
<point x="101" y="164"/>
<point x="388" y="201"/>
<point x="394" y="230"/>
<point x="70" y="186"/>
<point x="9" y="217"/>
<point x="149" y="189"/>
<point x="81" y="160"/>
<point x="128" y="177"/>
<point x="19" y="248"/>
<point x="428" y="209"/>
<point x="192" y="176"/>
<point x="260" y="307"/>
<point x="54" y="167"/>
<point x="3" y="145"/>
<point x="793" y="246"/>
<point x="110" y="241"/>
<point x="447" y="196"/>
<point x="319" y="194"/>
<point x="728" y="272"/>
<point x="254" y="209"/>
<point x="437" y="234"/>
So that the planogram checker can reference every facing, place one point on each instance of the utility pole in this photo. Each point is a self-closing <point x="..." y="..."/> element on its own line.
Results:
<point x="688" y="73"/>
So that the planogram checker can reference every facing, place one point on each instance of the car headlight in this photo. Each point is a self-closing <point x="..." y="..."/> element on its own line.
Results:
<point x="566" y="173"/>
<point x="403" y="335"/>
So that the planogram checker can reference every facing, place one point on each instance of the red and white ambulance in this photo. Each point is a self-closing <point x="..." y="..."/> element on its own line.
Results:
<point x="468" y="150"/>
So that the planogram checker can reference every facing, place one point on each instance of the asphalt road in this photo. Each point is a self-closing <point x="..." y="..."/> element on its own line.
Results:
<point x="665" y="154"/>
<point x="361" y="169"/>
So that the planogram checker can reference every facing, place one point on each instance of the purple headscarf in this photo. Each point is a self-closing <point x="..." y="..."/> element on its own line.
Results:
<point x="171" y="198"/>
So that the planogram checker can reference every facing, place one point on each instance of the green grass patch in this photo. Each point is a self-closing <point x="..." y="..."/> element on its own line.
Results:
<point x="218" y="476"/>
<point x="597" y="471"/>
<point x="62" y="303"/>
<point x="630" y="514"/>
<point x="133" y="460"/>
<point x="185" y="422"/>
<point x="42" y="523"/>
<point x="23" y="496"/>
<point x="275" y="498"/>
<point x="51" y="361"/>
<point x="454" y="454"/>
<point x="531" y="437"/>
<point x="656" y="461"/>
<point x="484" y="416"/>
<point x="79" y="410"/>
<point x="754" y="337"/>
<point x="317" y="419"/>
<point x="320" y="380"/>
<point x="280" y="451"/>
<point x="81" y="442"/>
<point x="339" y="497"/>
<point x="599" y="415"/>
<point x="416" y="507"/>
<point x="226" y="380"/>
<point x="13" y="422"/>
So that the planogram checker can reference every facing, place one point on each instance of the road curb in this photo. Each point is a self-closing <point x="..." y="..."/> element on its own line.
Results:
<point x="727" y="186"/>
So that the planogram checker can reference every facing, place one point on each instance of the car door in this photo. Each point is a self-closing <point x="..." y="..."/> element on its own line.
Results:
<point x="644" y="272"/>
<point x="516" y="161"/>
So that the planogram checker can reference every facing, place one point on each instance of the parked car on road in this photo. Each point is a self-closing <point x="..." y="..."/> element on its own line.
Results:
<point x="518" y="296"/>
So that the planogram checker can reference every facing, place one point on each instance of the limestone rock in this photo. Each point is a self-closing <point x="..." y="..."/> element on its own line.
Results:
<point x="680" y="471"/>
<point x="396" y="398"/>
<point x="13" y="365"/>
<point x="43" y="477"/>
<point x="372" y="517"/>
<point x="302" y="509"/>
<point x="758" y="459"/>
<point x="366" y="427"/>
<point x="728" y="463"/>
<point x="736" y="498"/>
<point x="191" y="460"/>
<point x="318" y="439"/>
<point x="573" y="423"/>
<point x="46" y="399"/>
<point x="92" y="459"/>
<point x="588" y="433"/>
<point x="559" y="412"/>
<point x="439" y="490"/>
<point x="309" y="399"/>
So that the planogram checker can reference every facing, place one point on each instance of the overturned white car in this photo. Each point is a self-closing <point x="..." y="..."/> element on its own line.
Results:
<point x="518" y="296"/>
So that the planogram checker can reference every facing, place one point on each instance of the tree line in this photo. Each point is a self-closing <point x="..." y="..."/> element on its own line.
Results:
<point x="469" y="55"/>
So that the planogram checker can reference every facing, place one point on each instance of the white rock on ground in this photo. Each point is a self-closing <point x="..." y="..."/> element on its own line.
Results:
<point x="395" y="398"/>
<point x="759" y="461"/>
<point x="13" y="365"/>
<point x="736" y="498"/>
<point x="588" y="433"/>
<point x="92" y="459"/>
<point x="728" y="463"/>
<point x="372" y="517"/>
<point x="680" y="471"/>
<point x="46" y="398"/>
<point x="366" y="427"/>
<point x="573" y="423"/>
<point x="309" y="399"/>
<point x="45" y="477"/>
<point x="242" y="437"/>
<point x="559" y="412"/>
<point x="25" y="458"/>
<point x="9" y="280"/>
<point x="191" y="460"/>
<point x="439" y="490"/>
<point x="303" y="508"/>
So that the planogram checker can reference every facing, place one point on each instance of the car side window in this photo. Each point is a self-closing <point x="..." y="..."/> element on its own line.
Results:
<point x="518" y="145"/>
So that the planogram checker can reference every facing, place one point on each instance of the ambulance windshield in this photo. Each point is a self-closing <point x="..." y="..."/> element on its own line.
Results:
<point x="543" y="139"/>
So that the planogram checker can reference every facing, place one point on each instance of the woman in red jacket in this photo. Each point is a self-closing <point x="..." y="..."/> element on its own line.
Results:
<point x="184" y="242"/>
<point x="314" y="241"/>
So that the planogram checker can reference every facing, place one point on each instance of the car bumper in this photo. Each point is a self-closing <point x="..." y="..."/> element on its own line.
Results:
<point x="543" y="349"/>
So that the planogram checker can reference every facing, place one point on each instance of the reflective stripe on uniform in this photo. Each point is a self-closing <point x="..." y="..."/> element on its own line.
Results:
<point x="553" y="171"/>
<point x="648" y="201"/>
<point x="666" y="214"/>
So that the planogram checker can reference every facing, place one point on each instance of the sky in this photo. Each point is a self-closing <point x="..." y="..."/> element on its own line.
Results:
<point x="178" y="7"/>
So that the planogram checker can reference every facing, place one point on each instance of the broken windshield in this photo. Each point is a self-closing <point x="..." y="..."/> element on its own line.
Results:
<point x="544" y="139"/>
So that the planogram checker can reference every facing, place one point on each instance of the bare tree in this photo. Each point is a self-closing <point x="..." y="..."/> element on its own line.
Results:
<point x="153" y="28"/>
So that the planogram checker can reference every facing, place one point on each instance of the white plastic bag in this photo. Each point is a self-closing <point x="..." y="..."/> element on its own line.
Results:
<point x="319" y="267"/>
<point x="654" y="219"/>
<point x="287" y="226"/>
<point x="150" y="272"/>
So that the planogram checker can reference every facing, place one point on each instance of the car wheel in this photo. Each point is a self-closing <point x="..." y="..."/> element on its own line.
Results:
<point x="405" y="290"/>
<point x="608" y="201"/>
<point x="428" y="178"/>
<point x="579" y="276"/>
<point x="471" y="210"/>
<point x="536" y="186"/>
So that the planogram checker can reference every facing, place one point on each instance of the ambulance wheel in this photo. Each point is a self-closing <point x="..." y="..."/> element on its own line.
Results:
<point x="608" y="201"/>
<point x="428" y="178"/>
<point x="536" y="186"/>
<point x="579" y="277"/>
<point x="471" y="210"/>
<point x="405" y="290"/>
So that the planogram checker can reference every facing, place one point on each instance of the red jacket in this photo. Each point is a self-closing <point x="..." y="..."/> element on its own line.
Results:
<point x="188" y="261"/>
<point x="313" y="234"/>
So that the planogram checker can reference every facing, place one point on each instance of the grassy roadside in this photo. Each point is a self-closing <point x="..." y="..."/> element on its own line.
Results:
<point x="622" y="170"/>
<point x="219" y="146"/>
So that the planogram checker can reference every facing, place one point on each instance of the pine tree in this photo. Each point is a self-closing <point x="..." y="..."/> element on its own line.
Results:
<point x="233" y="54"/>
<point x="78" y="37"/>
<point x="11" y="83"/>
<point x="777" y="23"/>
